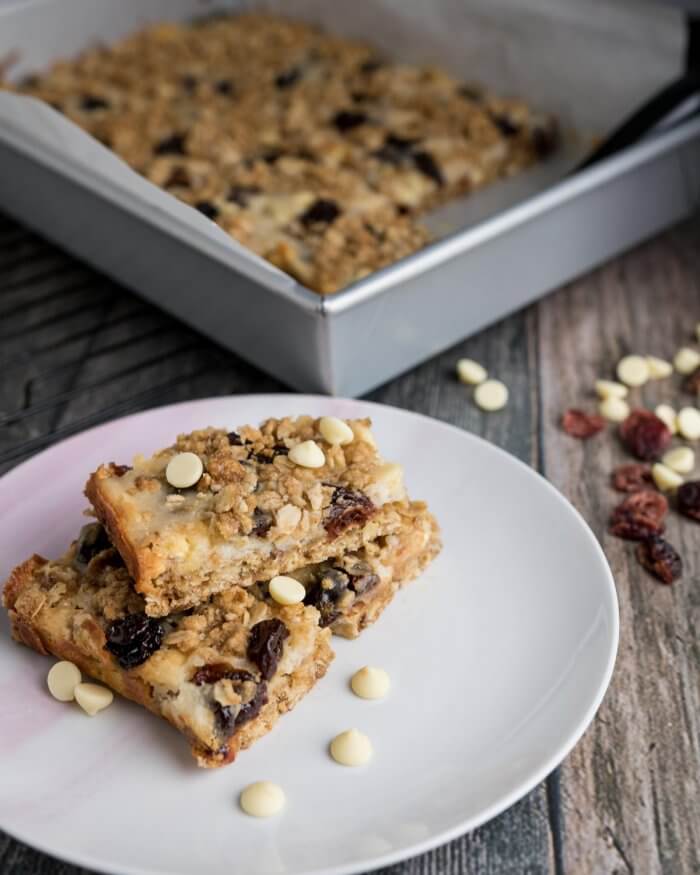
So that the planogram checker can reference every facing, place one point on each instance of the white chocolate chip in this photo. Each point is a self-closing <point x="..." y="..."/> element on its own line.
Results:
<point x="665" y="479"/>
<point x="262" y="799"/>
<point x="93" y="698"/>
<point x="633" y="370"/>
<point x="667" y="415"/>
<point x="688" y="420"/>
<point x="62" y="679"/>
<point x="286" y="590"/>
<point x="491" y="395"/>
<point x="610" y="389"/>
<point x="184" y="470"/>
<point x="307" y="454"/>
<point x="471" y="372"/>
<point x="658" y="368"/>
<point x="387" y="484"/>
<point x="686" y="360"/>
<point x="682" y="460"/>
<point x="370" y="683"/>
<point x="351" y="748"/>
<point x="335" y="431"/>
<point x="614" y="409"/>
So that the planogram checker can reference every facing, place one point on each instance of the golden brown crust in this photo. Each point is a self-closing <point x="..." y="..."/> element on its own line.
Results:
<point x="110" y="519"/>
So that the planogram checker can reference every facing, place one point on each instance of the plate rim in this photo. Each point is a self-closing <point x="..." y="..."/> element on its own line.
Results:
<point x="462" y="826"/>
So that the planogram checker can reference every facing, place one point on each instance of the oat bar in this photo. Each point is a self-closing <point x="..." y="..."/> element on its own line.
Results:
<point x="350" y="591"/>
<point x="253" y="513"/>
<point x="312" y="150"/>
<point x="222" y="673"/>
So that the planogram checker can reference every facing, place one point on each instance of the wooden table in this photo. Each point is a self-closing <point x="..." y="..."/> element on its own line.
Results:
<point x="75" y="350"/>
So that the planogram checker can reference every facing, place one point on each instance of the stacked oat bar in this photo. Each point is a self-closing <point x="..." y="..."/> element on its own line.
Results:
<point x="176" y="598"/>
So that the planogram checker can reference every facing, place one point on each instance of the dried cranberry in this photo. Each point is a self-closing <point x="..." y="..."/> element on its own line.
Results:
<point x="92" y="540"/>
<point x="362" y="583"/>
<point x="325" y="592"/>
<point x="241" y="194"/>
<point x="272" y="155"/>
<point x="234" y="439"/>
<point x="401" y="144"/>
<point x="303" y="155"/>
<point x="645" y="435"/>
<point x="322" y="211"/>
<point x="639" y="516"/>
<point x="688" y="499"/>
<point x="262" y="522"/>
<point x="216" y="671"/>
<point x="178" y="177"/>
<point x="346" y="120"/>
<point x="207" y="209"/>
<point x="691" y="383"/>
<point x="265" y="644"/>
<point x="545" y="139"/>
<point x="396" y="149"/>
<point x="348" y="507"/>
<point x="371" y="65"/>
<point x="632" y="477"/>
<point x="580" y="424"/>
<point x="267" y="456"/>
<point x="173" y="145"/>
<point x="507" y="127"/>
<point x="90" y="103"/>
<point x="469" y="93"/>
<point x="225" y="718"/>
<point x="428" y="166"/>
<point x="660" y="559"/>
<point x="119" y="470"/>
<point x="264" y="458"/>
<point x="133" y="639"/>
<point x="288" y="78"/>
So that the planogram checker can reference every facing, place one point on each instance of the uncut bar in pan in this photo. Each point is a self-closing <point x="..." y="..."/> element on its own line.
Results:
<point x="222" y="673"/>
<point x="256" y="510"/>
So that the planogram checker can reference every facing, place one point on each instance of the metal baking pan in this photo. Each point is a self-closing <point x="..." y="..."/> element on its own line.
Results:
<point x="493" y="252"/>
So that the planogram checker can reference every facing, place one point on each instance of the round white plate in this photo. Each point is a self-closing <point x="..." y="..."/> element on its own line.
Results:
<point x="499" y="656"/>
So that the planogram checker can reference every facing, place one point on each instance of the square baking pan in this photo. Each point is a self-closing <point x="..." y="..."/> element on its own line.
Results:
<point x="590" y="63"/>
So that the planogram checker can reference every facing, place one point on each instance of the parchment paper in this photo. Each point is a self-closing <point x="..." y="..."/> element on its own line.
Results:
<point x="591" y="62"/>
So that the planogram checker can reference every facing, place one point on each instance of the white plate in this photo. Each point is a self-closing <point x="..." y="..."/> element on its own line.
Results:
<point x="499" y="657"/>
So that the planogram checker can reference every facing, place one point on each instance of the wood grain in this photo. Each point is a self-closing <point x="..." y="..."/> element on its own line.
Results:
<point x="627" y="798"/>
<point x="631" y="788"/>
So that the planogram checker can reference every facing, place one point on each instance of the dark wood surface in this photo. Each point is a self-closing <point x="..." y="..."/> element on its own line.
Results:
<point x="75" y="350"/>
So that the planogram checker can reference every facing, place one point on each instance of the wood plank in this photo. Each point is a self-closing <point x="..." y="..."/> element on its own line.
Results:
<point x="520" y="840"/>
<point x="631" y="788"/>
